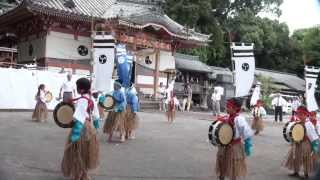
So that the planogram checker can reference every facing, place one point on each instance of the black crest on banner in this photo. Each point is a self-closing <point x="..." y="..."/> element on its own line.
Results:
<point x="83" y="50"/>
<point x="103" y="59"/>
<point x="245" y="66"/>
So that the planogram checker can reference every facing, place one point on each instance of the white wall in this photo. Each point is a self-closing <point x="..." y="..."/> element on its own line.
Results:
<point x="39" y="47"/>
<point x="64" y="46"/>
<point x="19" y="87"/>
<point x="167" y="61"/>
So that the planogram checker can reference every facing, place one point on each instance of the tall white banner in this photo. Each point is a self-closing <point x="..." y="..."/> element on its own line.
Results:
<point x="255" y="95"/>
<point x="311" y="76"/>
<point x="104" y="55"/>
<point x="244" y="66"/>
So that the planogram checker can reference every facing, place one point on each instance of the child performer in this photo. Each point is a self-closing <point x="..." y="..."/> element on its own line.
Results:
<point x="82" y="148"/>
<point x="258" y="112"/>
<point x="116" y="118"/>
<point x="171" y="103"/>
<point x="303" y="153"/>
<point x="40" y="112"/>
<point x="231" y="160"/>
<point x="132" y="118"/>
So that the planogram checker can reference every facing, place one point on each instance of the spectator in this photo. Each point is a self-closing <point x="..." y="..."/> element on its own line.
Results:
<point x="187" y="97"/>
<point x="278" y="102"/>
<point x="216" y="97"/>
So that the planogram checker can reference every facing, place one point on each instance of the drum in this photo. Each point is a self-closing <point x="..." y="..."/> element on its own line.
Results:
<point x="48" y="97"/>
<point x="108" y="102"/>
<point x="220" y="133"/>
<point x="63" y="115"/>
<point x="294" y="132"/>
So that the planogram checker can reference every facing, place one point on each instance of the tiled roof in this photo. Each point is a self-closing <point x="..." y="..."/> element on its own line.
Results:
<point x="290" y="80"/>
<point x="87" y="8"/>
<point x="133" y="13"/>
<point x="219" y="70"/>
<point x="142" y="15"/>
<point x="191" y="63"/>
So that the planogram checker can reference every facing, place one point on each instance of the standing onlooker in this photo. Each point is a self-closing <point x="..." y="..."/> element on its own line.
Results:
<point x="216" y="97"/>
<point x="278" y="102"/>
<point x="67" y="89"/>
<point x="295" y="104"/>
<point x="162" y="96"/>
<point x="40" y="112"/>
<point x="187" y="97"/>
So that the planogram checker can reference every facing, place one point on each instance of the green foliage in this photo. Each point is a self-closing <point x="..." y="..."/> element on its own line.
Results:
<point x="267" y="88"/>
<point x="237" y="21"/>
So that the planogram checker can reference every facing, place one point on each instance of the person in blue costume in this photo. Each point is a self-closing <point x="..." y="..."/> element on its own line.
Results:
<point x="124" y="65"/>
<point x="116" y="118"/>
<point x="81" y="152"/>
<point x="303" y="154"/>
<point x="132" y="118"/>
<point x="231" y="160"/>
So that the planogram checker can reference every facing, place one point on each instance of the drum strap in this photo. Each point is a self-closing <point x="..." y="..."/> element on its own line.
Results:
<point x="236" y="141"/>
<point x="90" y="103"/>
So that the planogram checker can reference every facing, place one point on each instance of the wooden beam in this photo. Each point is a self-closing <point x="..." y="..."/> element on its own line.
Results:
<point x="156" y="73"/>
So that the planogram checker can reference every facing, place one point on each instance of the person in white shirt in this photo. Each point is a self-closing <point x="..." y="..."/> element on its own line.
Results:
<point x="216" y="97"/>
<point x="67" y="90"/>
<point x="278" y="102"/>
<point x="40" y="112"/>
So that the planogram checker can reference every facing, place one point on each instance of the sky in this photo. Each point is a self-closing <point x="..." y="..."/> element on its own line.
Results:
<point x="299" y="13"/>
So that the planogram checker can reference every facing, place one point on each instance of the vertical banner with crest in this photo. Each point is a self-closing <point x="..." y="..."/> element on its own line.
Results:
<point x="244" y="66"/>
<point x="311" y="76"/>
<point x="104" y="54"/>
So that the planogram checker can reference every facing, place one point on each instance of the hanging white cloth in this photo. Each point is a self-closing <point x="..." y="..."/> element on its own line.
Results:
<point x="104" y="54"/>
<point x="244" y="67"/>
<point x="311" y="76"/>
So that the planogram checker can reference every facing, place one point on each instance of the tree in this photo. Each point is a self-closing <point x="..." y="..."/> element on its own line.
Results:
<point x="213" y="16"/>
<point x="267" y="88"/>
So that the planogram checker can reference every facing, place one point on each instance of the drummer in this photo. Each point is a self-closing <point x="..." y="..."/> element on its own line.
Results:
<point x="67" y="89"/>
<point x="40" y="112"/>
<point x="116" y="118"/>
<point x="81" y="152"/>
<point x="258" y="112"/>
<point x="303" y="153"/>
<point x="231" y="160"/>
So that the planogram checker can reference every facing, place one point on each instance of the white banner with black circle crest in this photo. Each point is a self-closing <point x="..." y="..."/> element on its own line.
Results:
<point x="311" y="76"/>
<point x="244" y="67"/>
<point x="104" y="55"/>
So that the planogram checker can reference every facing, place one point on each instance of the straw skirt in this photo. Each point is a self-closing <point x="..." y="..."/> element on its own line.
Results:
<point x="257" y="124"/>
<point x="131" y="120"/>
<point x="300" y="155"/>
<point x="40" y="112"/>
<point x="114" y="121"/>
<point x="231" y="161"/>
<point x="82" y="155"/>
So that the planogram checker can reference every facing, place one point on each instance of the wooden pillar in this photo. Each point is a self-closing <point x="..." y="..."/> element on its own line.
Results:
<point x="156" y="73"/>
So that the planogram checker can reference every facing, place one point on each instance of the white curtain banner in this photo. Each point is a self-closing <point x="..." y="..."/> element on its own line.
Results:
<point x="311" y="76"/>
<point x="19" y="87"/>
<point x="104" y="55"/>
<point x="244" y="67"/>
<point x="255" y="95"/>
